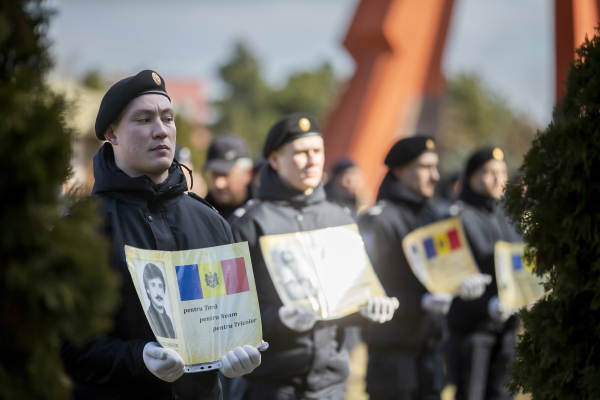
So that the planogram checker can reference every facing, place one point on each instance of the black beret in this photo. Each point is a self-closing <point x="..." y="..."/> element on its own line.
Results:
<point x="289" y="128"/>
<point x="342" y="165"/>
<point x="406" y="150"/>
<point x="122" y="92"/>
<point x="482" y="156"/>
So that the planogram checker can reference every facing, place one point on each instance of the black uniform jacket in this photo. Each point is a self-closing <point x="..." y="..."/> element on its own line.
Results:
<point x="310" y="361"/>
<point x="142" y="214"/>
<point x="226" y="211"/>
<point x="398" y="212"/>
<point x="484" y="223"/>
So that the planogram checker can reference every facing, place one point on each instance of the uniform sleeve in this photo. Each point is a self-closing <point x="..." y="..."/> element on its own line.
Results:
<point x="106" y="360"/>
<point x="384" y="248"/>
<point x="244" y="230"/>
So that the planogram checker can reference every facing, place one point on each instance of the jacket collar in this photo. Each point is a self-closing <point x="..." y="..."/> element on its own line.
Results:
<point x="273" y="188"/>
<point x="393" y="190"/>
<point x="470" y="197"/>
<point x="111" y="179"/>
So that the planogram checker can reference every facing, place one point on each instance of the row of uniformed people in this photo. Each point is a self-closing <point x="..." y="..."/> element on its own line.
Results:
<point x="142" y="192"/>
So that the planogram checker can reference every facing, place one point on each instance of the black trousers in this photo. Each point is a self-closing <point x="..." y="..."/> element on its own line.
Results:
<point x="406" y="374"/>
<point x="265" y="390"/>
<point x="477" y="364"/>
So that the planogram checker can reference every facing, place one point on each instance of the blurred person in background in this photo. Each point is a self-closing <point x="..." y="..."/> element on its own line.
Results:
<point x="141" y="190"/>
<point x="307" y="359"/>
<point x="197" y="185"/>
<point x="229" y="170"/>
<point x="448" y="193"/>
<point x="482" y="332"/>
<point x="344" y="185"/>
<point x="257" y="171"/>
<point x="405" y="354"/>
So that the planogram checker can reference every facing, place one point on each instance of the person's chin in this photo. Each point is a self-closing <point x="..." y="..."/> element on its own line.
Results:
<point x="311" y="183"/>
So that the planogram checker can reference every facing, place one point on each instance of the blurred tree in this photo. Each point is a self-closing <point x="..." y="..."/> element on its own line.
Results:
<point x="251" y="106"/>
<point x="557" y="200"/>
<point x="94" y="80"/>
<point x="472" y="116"/>
<point x="55" y="282"/>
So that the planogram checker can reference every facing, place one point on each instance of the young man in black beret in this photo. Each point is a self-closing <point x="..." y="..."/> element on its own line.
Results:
<point x="482" y="333"/>
<point x="141" y="189"/>
<point x="405" y="355"/>
<point x="345" y="182"/>
<point x="229" y="168"/>
<point x="306" y="358"/>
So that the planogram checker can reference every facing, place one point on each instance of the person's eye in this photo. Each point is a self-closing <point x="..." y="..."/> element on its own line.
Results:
<point x="143" y="120"/>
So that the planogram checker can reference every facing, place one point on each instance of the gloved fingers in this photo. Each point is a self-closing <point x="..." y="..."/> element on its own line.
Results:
<point x="288" y="311"/>
<point x="395" y="303"/>
<point x="155" y="351"/>
<point x="487" y="278"/>
<point x="174" y="373"/>
<point x="253" y="353"/>
<point x="173" y="363"/>
<point x="227" y="368"/>
<point x="235" y="362"/>
<point x="244" y="358"/>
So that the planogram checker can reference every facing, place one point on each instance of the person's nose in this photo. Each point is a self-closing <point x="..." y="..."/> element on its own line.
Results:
<point x="435" y="174"/>
<point x="159" y="129"/>
<point x="221" y="182"/>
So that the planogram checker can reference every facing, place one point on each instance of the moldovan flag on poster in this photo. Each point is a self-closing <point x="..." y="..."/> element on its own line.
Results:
<point x="213" y="279"/>
<point x="518" y="286"/>
<point x="201" y="303"/>
<point x="439" y="255"/>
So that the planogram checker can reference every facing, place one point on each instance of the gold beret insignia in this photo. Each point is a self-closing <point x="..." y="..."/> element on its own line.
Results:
<point x="304" y="124"/>
<point x="156" y="78"/>
<point x="430" y="144"/>
<point x="498" y="154"/>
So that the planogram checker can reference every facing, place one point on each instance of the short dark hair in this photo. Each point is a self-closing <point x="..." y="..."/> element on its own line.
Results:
<point x="151" y="271"/>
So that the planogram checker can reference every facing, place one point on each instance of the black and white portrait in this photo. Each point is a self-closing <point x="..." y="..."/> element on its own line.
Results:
<point x="156" y="297"/>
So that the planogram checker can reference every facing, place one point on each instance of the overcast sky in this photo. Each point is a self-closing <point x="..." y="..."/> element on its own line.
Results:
<point x="508" y="42"/>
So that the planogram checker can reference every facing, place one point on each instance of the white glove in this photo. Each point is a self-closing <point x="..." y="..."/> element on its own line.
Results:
<point x="165" y="364"/>
<point x="240" y="361"/>
<point x="473" y="286"/>
<point x="380" y="309"/>
<point x="438" y="304"/>
<point x="299" y="319"/>
<point x="497" y="311"/>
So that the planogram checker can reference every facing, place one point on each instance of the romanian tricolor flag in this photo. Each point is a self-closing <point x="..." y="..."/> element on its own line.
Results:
<point x="213" y="279"/>
<point x="442" y="243"/>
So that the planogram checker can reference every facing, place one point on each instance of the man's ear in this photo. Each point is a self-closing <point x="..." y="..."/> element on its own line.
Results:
<point x="397" y="172"/>
<point x="273" y="161"/>
<point x="109" y="135"/>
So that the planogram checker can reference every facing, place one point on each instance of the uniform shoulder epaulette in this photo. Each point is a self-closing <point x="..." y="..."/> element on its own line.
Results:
<point x="201" y="200"/>
<point x="247" y="206"/>
<point x="376" y="209"/>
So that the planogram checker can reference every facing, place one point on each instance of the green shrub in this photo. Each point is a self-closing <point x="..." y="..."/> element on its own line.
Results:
<point x="55" y="280"/>
<point x="558" y="204"/>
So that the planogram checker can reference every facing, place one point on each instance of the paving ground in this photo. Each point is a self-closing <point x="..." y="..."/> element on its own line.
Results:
<point x="358" y="370"/>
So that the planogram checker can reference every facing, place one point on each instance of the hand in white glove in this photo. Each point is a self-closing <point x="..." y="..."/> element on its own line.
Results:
<point x="299" y="319"/>
<point x="473" y="286"/>
<point x="497" y="311"/>
<point x="380" y="309"/>
<point x="165" y="364"/>
<point x="438" y="304"/>
<point x="240" y="361"/>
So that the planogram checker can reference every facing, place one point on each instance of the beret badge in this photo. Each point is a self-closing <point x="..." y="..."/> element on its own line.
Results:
<point x="304" y="124"/>
<point x="430" y="145"/>
<point x="498" y="154"/>
<point x="156" y="78"/>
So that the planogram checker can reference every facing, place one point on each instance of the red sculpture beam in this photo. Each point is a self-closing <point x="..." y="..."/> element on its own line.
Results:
<point x="574" y="19"/>
<point x="397" y="46"/>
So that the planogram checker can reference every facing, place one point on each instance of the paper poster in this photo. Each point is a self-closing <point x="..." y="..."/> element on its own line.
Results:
<point x="518" y="286"/>
<point x="325" y="270"/>
<point x="439" y="256"/>
<point x="200" y="303"/>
